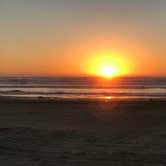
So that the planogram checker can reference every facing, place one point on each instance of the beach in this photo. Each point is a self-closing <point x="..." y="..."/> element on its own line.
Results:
<point x="83" y="83"/>
<point x="43" y="132"/>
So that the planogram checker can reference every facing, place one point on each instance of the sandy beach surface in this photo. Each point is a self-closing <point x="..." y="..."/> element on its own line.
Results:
<point x="82" y="133"/>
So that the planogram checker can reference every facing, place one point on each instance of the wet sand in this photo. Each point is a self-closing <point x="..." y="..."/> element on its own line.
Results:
<point x="82" y="133"/>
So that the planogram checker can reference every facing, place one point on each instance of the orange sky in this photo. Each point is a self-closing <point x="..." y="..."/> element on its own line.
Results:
<point x="76" y="38"/>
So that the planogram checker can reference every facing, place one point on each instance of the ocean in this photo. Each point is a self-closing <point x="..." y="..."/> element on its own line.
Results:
<point x="84" y="87"/>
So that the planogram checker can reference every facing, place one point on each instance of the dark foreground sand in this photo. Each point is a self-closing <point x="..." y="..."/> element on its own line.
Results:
<point x="68" y="133"/>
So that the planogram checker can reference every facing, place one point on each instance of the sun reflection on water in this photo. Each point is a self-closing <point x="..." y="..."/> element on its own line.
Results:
<point x="108" y="97"/>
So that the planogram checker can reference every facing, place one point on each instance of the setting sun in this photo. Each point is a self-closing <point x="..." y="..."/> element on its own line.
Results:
<point x="108" y="71"/>
<point x="108" y="64"/>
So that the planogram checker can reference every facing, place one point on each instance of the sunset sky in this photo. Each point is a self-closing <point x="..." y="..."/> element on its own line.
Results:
<point x="74" y="37"/>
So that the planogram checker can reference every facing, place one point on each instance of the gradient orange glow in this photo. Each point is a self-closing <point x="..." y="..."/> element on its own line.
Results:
<point x="108" y="64"/>
<point x="83" y="38"/>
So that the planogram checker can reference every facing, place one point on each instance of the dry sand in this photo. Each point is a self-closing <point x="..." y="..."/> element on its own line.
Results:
<point x="81" y="133"/>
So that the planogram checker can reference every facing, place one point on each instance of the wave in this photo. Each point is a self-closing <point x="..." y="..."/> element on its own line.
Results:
<point x="84" y="86"/>
<point x="59" y="93"/>
<point x="139" y="82"/>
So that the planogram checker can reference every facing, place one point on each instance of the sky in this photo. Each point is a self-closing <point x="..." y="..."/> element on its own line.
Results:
<point x="65" y="37"/>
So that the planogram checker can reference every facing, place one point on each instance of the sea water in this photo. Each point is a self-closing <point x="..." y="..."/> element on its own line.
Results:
<point x="84" y="87"/>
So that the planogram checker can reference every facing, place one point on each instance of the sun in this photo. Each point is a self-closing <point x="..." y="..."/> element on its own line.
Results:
<point x="107" y="71"/>
<point x="108" y="64"/>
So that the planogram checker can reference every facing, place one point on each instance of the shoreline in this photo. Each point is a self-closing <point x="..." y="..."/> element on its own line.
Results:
<point x="73" y="100"/>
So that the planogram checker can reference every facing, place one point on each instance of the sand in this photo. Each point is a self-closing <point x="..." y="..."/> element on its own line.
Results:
<point x="82" y="133"/>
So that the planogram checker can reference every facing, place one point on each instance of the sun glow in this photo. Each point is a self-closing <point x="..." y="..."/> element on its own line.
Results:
<point x="107" y="71"/>
<point x="108" y="64"/>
